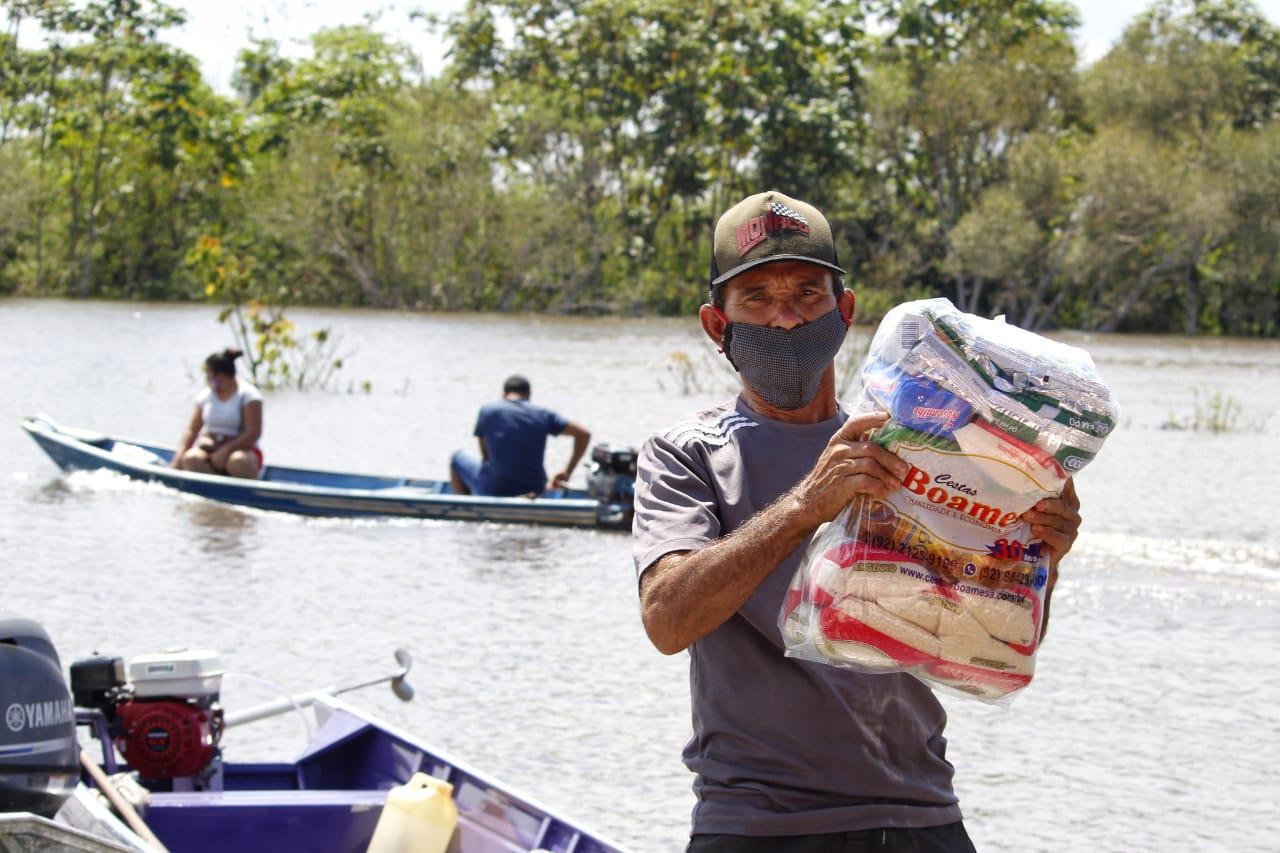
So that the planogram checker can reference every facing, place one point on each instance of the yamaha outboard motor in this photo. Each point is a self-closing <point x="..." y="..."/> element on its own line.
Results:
<point x="612" y="481"/>
<point x="39" y="756"/>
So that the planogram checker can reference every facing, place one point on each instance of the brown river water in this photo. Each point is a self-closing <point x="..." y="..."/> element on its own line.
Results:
<point x="1153" y="722"/>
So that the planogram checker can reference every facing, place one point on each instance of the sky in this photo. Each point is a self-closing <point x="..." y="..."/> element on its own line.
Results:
<point x="217" y="29"/>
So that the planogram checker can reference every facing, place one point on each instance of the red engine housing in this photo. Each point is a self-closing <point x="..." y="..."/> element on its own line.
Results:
<point x="166" y="739"/>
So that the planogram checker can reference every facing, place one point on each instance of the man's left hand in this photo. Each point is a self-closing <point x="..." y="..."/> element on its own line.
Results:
<point x="559" y="481"/>
<point x="1056" y="522"/>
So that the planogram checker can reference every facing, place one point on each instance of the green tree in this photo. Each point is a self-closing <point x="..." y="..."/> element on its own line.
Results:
<point x="642" y="118"/>
<point x="337" y="105"/>
<point x="575" y="153"/>
<point x="121" y="35"/>
<point x="1178" y="97"/>
<point x="953" y="88"/>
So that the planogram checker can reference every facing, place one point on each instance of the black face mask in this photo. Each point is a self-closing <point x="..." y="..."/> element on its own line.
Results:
<point x="785" y="366"/>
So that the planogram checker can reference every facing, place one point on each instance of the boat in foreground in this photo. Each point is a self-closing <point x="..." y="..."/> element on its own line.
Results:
<point x="160" y="730"/>
<point x="605" y="504"/>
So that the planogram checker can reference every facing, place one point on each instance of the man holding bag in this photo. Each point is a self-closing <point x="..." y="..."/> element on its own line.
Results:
<point x="788" y="755"/>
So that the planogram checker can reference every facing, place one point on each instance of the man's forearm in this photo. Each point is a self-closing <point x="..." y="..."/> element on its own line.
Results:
<point x="579" y="448"/>
<point x="686" y="596"/>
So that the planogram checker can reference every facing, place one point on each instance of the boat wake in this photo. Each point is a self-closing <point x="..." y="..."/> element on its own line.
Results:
<point x="1245" y="563"/>
<point x="105" y="480"/>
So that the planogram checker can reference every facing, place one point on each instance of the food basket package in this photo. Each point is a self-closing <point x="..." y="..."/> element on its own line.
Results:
<point x="942" y="578"/>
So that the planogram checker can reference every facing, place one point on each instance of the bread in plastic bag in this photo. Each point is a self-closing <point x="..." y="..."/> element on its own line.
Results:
<point x="942" y="578"/>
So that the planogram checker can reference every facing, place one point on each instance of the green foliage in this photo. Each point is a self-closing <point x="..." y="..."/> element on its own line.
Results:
<point x="638" y="121"/>
<point x="1189" y="67"/>
<point x="575" y="153"/>
<point x="278" y="355"/>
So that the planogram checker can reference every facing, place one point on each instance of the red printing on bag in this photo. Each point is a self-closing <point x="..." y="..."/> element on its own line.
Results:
<point x="839" y="626"/>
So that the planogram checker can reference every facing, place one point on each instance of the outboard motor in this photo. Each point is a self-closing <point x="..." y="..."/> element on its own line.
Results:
<point x="612" y="481"/>
<point x="39" y="756"/>
<point x="166" y="720"/>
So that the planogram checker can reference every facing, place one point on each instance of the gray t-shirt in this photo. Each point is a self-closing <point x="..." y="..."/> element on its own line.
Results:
<point x="780" y="746"/>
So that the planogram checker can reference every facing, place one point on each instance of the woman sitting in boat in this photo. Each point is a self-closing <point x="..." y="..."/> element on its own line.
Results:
<point x="222" y="437"/>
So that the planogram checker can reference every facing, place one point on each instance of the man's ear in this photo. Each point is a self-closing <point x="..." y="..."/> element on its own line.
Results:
<point x="713" y="323"/>
<point x="846" y="304"/>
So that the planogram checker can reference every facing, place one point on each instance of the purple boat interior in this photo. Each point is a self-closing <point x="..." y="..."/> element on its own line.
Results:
<point x="330" y="798"/>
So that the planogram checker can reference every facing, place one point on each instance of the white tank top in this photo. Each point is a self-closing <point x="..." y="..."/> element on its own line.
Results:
<point x="225" y="418"/>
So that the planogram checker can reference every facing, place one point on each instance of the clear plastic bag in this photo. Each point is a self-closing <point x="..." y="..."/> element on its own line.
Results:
<point x="942" y="578"/>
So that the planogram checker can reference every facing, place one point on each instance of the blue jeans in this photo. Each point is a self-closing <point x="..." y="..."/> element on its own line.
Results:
<point x="472" y="470"/>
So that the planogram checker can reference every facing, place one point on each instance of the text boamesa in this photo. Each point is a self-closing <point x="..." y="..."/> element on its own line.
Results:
<point x="918" y="481"/>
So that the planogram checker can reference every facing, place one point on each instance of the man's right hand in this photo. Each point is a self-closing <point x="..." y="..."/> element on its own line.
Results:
<point x="851" y="465"/>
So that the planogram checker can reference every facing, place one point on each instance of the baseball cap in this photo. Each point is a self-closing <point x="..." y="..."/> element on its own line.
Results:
<point x="769" y="227"/>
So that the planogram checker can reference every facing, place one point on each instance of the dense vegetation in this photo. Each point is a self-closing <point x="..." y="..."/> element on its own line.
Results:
<point x="573" y="155"/>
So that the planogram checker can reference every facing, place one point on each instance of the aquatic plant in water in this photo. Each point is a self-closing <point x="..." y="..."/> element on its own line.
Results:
<point x="1210" y="412"/>
<point x="278" y="355"/>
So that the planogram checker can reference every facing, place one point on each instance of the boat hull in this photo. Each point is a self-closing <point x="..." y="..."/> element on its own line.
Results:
<point x="318" y="493"/>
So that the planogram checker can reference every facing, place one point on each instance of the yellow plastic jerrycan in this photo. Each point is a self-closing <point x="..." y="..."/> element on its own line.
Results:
<point x="418" y="817"/>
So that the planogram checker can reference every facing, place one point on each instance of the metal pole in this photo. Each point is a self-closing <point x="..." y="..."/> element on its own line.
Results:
<point x="399" y="686"/>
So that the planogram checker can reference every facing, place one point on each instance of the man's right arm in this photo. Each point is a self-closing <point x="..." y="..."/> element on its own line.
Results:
<point x="686" y="595"/>
<point x="581" y="436"/>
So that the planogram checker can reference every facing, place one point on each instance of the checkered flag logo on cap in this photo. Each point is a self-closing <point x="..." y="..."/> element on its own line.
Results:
<point x="777" y="218"/>
<point x="783" y="210"/>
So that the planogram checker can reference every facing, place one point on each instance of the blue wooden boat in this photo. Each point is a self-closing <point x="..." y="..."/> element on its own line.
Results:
<point x="331" y="493"/>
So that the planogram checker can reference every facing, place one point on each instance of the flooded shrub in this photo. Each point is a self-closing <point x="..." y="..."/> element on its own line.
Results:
<point x="278" y="354"/>
<point x="1210" y="412"/>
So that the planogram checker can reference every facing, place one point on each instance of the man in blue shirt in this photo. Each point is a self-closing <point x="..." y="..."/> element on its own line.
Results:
<point x="513" y="437"/>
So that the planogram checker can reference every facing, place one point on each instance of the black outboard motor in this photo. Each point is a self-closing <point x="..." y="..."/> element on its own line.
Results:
<point x="39" y="756"/>
<point x="612" y="481"/>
